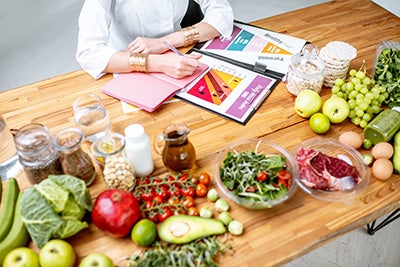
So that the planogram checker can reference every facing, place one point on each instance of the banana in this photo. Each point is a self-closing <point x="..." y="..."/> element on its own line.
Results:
<point x="7" y="209"/>
<point x="18" y="235"/>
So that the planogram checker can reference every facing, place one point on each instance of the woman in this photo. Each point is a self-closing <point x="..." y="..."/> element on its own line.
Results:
<point x="118" y="36"/>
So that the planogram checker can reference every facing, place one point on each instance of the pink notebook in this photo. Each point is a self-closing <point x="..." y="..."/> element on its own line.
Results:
<point x="148" y="90"/>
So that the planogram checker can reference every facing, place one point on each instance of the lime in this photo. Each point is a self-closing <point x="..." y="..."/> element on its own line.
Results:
<point x="319" y="123"/>
<point x="144" y="233"/>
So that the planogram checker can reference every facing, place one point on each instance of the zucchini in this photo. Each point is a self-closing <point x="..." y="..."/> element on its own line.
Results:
<point x="396" y="154"/>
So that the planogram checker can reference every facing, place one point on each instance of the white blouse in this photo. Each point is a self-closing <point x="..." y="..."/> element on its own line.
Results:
<point x="107" y="26"/>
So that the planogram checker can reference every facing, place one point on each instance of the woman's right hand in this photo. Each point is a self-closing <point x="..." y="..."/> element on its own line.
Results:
<point x="172" y="64"/>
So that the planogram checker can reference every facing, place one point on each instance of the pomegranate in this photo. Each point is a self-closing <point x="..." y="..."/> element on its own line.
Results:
<point x="115" y="212"/>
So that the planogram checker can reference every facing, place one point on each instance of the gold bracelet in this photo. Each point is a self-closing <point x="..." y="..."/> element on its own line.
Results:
<point x="138" y="62"/>
<point x="191" y="34"/>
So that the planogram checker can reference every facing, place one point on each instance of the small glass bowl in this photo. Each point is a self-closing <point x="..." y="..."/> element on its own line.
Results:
<point x="265" y="147"/>
<point x="333" y="148"/>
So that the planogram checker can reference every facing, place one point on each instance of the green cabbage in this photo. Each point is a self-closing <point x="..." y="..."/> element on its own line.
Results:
<point x="55" y="208"/>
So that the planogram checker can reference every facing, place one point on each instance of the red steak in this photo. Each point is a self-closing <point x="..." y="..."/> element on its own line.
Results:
<point x="320" y="171"/>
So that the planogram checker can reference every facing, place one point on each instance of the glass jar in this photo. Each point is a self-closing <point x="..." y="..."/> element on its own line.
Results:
<point x="117" y="172"/>
<point x="74" y="160"/>
<point x="36" y="153"/>
<point x="178" y="153"/>
<point x="383" y="127"/>
<point x="306" y="71"/>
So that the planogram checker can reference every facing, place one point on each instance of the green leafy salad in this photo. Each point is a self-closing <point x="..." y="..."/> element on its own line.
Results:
<point x="256" y="176"/>
<point x="55" y="208"/>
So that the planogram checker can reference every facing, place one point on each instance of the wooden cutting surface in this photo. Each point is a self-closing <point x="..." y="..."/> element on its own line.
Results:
<point x="272" y="237"/>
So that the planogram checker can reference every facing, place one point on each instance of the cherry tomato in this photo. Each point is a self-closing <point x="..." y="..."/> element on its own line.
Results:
<point x="195" y="179"/>
<point x="188" y="201"/>
<point x="174" y="190"/>
<point x="170" y="178"/>
<point x="284" y="175"/>
<point x="180" y="211"/>
<point x="183" y="177"/>
<point x="157" y="200"/>
<point x="148" y="194"/>
<point x="193" y="211"/>
<point x="284" y="182"/>
<point x="152" y="216"/>
<point x="164" y="214"/>
<point x="201" y="190"/>
<point x="148" y="204"/>
<point x="262" y="176"/>
<point x="188" y="191"/>
<point x="173" y="200"/>
<point x="162" y="192"/>
<point x="204" y="178"/>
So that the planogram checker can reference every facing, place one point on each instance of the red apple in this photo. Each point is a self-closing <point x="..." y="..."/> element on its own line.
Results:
<point x="116" y="212"/>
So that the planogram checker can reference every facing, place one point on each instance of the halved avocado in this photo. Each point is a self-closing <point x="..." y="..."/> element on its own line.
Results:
<point x="181" y="229"/>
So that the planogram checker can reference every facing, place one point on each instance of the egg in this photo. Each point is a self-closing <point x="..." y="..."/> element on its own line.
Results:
<point x="351" y="139"/>
<point x="382" y="150"/>
<point x="382" y="169"/>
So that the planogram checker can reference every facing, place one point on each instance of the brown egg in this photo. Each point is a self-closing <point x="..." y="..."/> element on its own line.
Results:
<point x="382" y="150"/>
<point x="351" y="139"/>
<point x="382" y="169"/>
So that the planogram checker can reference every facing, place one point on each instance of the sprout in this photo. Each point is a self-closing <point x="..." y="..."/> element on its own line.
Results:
<point x="221" y="205"/>
<point x="235" y="227"/>
<point x="205" y="212"/>
<point x="225" y="217"/>
<point x="212" y="195"/>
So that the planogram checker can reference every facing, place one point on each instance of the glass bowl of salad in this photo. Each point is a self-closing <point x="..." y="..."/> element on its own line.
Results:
<point x="330" y="171"/>
<point x="255" y="173"/>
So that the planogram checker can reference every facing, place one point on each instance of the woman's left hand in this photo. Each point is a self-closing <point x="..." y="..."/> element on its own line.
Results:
<point x="147" y="46"/>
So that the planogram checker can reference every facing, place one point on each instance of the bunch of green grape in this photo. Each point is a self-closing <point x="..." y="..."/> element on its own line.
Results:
<point x="362" y="94"/>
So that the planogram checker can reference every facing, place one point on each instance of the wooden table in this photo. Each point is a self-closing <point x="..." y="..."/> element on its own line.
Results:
<point x="272" y="237"/>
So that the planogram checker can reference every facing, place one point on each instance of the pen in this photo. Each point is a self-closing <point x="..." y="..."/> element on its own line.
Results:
<point x="172" y="48"/>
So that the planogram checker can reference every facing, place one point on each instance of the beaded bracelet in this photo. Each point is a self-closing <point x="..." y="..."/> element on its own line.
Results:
<point x="138" y="62"/>
<point x="191" y="34"/>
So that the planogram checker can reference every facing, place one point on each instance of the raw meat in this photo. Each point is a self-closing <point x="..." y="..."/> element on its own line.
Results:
<point x="320" y="171"/>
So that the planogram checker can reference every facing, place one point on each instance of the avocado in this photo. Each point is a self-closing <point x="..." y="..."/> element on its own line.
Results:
<point x="181" y="229"/>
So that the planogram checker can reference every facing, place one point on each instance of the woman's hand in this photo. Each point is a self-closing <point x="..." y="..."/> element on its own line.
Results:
<point x="172" y="64"/>
<point x="147" y="46"/>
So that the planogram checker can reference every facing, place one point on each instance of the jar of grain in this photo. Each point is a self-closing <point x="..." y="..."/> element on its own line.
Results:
<point x="74" y="160"/>
<point x="306" y="71"/>
<point x="110" y="151"/>
<point x="36" y="152"/>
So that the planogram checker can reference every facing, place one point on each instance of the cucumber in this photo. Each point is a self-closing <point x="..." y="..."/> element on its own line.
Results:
<point x="18" y="235"/>
<point x="11" y="192"/>
<point x="396" y="154"/>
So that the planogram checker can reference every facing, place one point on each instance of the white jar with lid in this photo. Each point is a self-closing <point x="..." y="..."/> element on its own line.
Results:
<point x="138" y="150"/>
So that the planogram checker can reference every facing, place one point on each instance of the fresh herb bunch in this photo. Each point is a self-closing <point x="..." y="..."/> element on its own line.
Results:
<point x="256" y="176"/>
<point x="387" y="74"/>
<point x="205" y="251"/>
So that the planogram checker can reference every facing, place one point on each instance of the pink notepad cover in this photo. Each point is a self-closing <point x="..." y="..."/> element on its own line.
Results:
<point x="147" y="90"/>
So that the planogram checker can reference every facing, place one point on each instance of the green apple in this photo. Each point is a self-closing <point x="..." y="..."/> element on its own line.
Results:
<point x="307" y="103"/>
<point x="57" y="253"/>
<point x="336" y="108"/>
<point x="319" y="123"/>
<point x="96" y="259"/>
<point x="21" y="257"/>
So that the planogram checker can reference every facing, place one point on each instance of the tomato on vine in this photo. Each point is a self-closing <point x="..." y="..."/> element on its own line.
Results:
<point x="193" y="211"/>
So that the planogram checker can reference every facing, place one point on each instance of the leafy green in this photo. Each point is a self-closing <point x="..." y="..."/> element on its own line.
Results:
<point x="387" y="74"/>
<point x="55" y="207"/>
